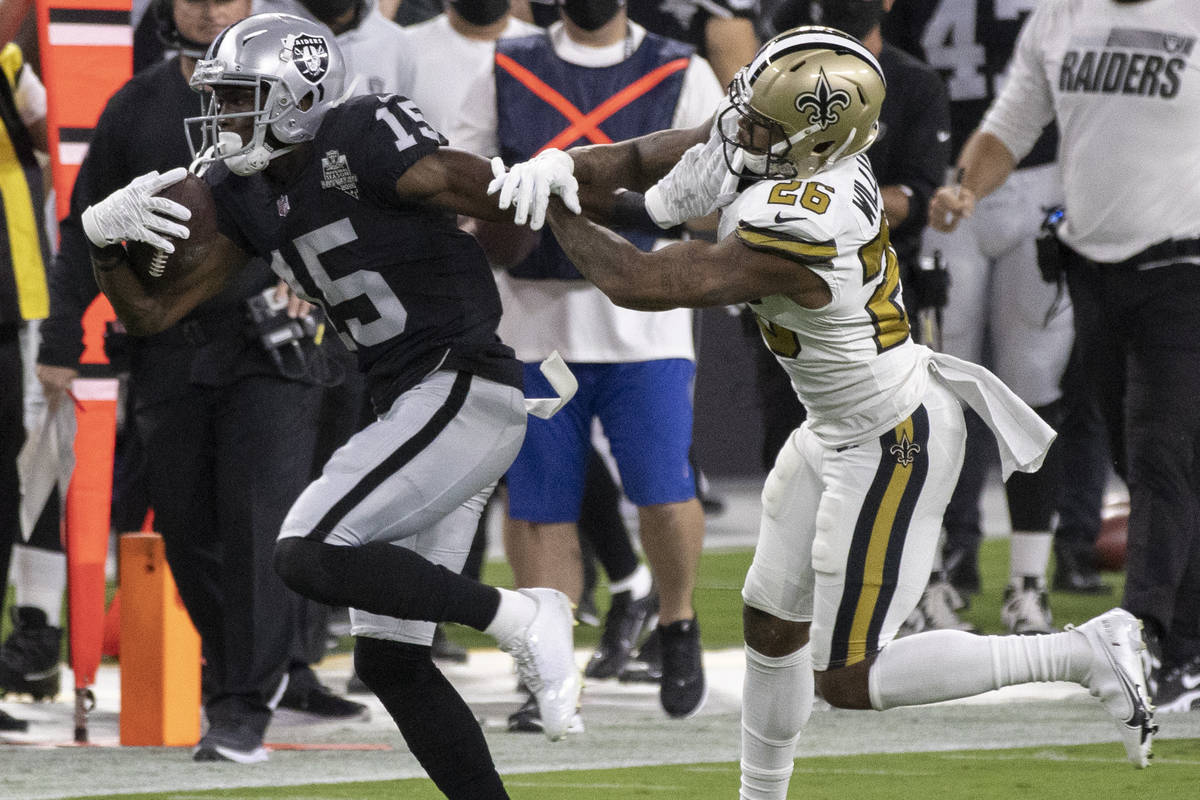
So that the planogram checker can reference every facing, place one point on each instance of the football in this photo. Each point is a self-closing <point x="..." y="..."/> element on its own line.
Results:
<point x="194" y="194"/>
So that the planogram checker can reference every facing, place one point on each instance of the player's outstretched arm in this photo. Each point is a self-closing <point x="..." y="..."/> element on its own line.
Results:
<point x="693" y="274"/>
<point x="635" y="164"/>
<point x="453" y="179"/>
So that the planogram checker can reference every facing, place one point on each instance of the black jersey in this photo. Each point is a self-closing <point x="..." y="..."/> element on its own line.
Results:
<point x="405" y="288"/>
<point x="970" y="42"/>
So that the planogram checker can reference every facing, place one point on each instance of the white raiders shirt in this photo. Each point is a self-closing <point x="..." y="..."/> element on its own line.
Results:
<point x="1123" y="82"/>
<point x="852" y="363"/>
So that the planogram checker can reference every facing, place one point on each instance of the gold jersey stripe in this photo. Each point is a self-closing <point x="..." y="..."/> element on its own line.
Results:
<point x="799" y="250"/>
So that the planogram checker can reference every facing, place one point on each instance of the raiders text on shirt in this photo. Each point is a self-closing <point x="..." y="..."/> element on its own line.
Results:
<point x="1120" y="68"/>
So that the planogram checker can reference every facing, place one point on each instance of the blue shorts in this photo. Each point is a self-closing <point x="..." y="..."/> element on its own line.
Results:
<point x="645" y="409"/>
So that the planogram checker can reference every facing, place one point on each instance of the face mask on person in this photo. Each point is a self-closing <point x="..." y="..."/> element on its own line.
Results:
<point x="328" y="10"/>
<point x="591" y="14"/>
<point x="480" y="12"/>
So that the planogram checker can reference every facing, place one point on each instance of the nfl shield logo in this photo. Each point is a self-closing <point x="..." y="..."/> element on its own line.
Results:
<point x="310" y="54"/>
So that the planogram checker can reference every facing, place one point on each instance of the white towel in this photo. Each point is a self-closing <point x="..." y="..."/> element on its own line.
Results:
<point x="1022" y="436"/>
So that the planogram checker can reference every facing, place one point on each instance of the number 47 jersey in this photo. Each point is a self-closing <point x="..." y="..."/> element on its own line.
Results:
<point x="405" y="288"/>
<point x="852" y="362"/>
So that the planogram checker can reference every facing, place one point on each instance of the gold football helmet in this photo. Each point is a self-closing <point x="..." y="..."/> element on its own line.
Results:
<point x="815" y="93"/>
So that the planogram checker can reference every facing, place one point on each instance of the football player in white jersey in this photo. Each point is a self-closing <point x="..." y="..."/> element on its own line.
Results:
<point x="853" y="506"/>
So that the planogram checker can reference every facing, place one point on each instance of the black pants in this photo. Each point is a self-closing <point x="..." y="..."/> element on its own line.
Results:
<point x="12" y="437"/>
<point x="1141" y="331"/>
<point x="224" y="466"/>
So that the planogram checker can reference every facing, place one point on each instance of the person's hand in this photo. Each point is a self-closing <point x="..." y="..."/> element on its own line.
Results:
<point x="133" y="213"/>
<point x="297" y="306"/>
<point x="56" y="382"/>
<point x="692" y="187"/>
<point x="948" y="206"/>
<point x="529" y="185"/>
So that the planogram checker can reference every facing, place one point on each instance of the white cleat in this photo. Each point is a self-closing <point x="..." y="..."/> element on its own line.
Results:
<point x="1116" y="677"/>
<point x="545" y="656"/>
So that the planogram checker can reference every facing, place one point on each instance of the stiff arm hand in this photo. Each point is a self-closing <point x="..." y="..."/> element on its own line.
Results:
<point x="134" y="213"/>
<point x="528" y="186"/>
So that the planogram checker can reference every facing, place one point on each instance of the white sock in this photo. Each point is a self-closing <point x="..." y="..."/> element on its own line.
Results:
<point x="513" y="616"/>
<point x="777" y="700"/>
<point x="39" y="579"/>
<point x="968" y="664"/>
<point x="1029" y="553"/>
<point x="638" y="583"/>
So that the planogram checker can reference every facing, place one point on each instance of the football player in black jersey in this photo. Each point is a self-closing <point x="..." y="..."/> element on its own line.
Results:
<point x="353" y="202"/>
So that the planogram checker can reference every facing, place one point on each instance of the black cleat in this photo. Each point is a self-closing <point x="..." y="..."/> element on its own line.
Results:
<point x="682" y="690"/>
<point x="625" y="623"/>
<point x="1075" y="570"/>
<point x="29" y="657"/>
<point x="307" y="695"/>
<point x="12" y="724"/>
<point x="644" y="666"/>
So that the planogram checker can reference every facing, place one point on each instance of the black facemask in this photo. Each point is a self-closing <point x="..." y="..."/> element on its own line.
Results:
<point x="327" y="10"/>
<point x="591" y="14"/>
<point x="480" y="12"/>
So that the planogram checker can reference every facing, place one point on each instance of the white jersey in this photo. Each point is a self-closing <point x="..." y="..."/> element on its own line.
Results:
<point x="1111" y="74"/>
<point x="852" y="362"/>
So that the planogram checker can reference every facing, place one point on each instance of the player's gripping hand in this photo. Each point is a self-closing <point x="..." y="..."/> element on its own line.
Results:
<point x="528" y="186"/>
<point x="133" y="213"/>
<point x="693" y="187"/>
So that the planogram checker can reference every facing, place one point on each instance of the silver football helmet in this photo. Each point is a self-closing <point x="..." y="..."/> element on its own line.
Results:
<point x="297" y="72"/>
<point x="817" y="92"/>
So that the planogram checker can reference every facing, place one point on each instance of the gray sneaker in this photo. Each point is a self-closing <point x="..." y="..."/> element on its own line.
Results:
<point x="545" y="656"/>
<point x="231" y="741"/>
<point x="1026" y="607"/>
<point x="1116" y="678"/>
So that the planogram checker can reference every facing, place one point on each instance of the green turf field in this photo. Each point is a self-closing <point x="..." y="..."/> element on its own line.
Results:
<point x="1082" y="772"/>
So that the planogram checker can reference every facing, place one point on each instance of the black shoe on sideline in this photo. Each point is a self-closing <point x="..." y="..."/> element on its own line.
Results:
<point x="307" y="695"/>
<point x="624" y="624"/>
<point x="29" y="657"/>
<point x="1075" y="570"/>
<point x="961" y="566"/>
<point x="12" y="724"/>
<point x="528" y="719"/>
<point x="230" y="741"/>
<point x="682" y="690"/>
<point x="644" y="666"/>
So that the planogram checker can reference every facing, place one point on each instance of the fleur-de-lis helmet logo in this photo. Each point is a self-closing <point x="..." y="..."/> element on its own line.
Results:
<point x="824" y="103"/>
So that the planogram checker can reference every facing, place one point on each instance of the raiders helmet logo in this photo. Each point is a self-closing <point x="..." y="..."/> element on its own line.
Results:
<point x="310" y="54"/>
<point x="824" y="103"/>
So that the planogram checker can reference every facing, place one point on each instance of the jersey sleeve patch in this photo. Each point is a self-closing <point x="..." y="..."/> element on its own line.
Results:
<point x="802" y="251"/>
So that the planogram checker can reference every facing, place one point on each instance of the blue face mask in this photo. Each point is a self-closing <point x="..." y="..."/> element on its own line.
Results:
<point x="591" y="14"/>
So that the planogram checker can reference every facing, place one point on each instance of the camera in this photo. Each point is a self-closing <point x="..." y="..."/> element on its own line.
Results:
<point x="281" y="336"/>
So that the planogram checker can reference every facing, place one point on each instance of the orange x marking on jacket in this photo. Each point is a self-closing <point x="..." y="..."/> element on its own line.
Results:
<point x="587" y="124"/>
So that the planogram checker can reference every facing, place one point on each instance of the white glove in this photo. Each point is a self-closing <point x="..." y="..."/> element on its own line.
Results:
<point x="693" y="187"/>
<point x="530" y="184"/>
<point x="135" y="214"/>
